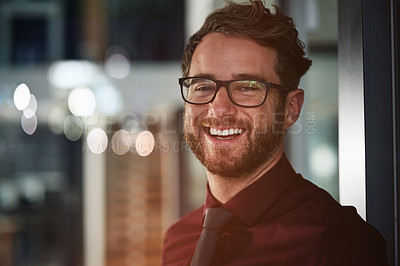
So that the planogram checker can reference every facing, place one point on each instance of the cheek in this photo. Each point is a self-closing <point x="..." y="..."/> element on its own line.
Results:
<point x="263" y="119"/>
<point x="191" y="115"/>
<point x="194" y="112"/>
<point x="261" y="122"/>
<point x="259" y="115"/>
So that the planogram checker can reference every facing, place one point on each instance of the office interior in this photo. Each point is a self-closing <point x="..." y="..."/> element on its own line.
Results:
<point x="93" y="164"/>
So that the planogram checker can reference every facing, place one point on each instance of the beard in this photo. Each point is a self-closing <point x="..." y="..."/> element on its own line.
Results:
<point x="259" y="147"/>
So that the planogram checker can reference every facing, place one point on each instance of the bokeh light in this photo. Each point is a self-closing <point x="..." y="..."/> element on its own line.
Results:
<point x="130" y="122"/>
<point x="323" y="161"/>
<point x="29" y="125"/>
<point x="117" y="66"/>
<point x="9" y="195"/>
<point x="56" y="119"/>
<point x="22" y="96"/>
<point x="32" y="190"/>
<point x="73" y="128"/>
<point x="97" y="140"/>
<point x="81" y="102"/>
<point x="30" y="110"/>
<point x="71" y="74"/>
<point x="121" y="142"/>
<point x="145" y="143"/>
<point x="108" y="99"/>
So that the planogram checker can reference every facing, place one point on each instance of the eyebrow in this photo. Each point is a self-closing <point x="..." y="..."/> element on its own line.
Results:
<point x="249" y="76"/>
<point x="235" y="76"/>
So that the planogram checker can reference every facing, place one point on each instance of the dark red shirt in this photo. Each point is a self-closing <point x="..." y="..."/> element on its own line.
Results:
<point x="281" y="219"/>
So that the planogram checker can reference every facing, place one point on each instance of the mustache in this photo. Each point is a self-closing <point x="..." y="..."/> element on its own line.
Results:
<point x="227" y="121"/>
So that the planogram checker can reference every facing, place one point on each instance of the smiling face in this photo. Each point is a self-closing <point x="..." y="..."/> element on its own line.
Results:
<point x="229" y="140"/>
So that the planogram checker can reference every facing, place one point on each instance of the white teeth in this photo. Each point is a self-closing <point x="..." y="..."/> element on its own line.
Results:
<point x="225" y="132"/>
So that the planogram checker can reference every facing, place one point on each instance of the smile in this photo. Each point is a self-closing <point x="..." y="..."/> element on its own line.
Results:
<point x="227" y="133"/>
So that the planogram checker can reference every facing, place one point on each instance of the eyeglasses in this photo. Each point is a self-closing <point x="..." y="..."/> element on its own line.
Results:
<point x="246" y="93"/>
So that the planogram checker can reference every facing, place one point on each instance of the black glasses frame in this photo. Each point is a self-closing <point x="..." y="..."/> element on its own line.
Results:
<point x="226" y="84"/>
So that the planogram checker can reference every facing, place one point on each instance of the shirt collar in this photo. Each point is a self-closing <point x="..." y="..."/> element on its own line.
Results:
<point x="252" y="201"/>
<point x="211" y="201"/>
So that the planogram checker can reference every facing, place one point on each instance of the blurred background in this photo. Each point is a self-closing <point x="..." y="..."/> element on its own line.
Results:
<point x="93" y="165"/>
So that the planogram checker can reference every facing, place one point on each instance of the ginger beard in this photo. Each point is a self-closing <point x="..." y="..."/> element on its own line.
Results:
<point x="259" y="147"/>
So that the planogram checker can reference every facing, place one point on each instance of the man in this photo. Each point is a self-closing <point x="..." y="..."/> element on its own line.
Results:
<point x="241" y="74"/>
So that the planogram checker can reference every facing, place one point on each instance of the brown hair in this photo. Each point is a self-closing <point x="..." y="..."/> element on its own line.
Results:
<point x="255" y="22"/>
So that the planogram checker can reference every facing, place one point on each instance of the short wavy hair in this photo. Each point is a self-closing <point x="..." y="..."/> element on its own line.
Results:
<point x="256" y="22"/>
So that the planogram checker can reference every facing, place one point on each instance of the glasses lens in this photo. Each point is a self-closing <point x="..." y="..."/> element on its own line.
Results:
<point x="248" y="92"/>
<point x="198" y="90"/>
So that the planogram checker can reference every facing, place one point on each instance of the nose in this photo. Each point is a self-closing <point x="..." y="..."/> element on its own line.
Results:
<point x="222" y="104"/>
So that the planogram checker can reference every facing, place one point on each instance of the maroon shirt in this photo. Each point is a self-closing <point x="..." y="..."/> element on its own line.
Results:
<point x="281" y="219"/>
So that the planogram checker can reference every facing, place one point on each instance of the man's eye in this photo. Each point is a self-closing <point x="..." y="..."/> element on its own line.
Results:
<point x="249" y="88"/>
<point x="203" y="88"/>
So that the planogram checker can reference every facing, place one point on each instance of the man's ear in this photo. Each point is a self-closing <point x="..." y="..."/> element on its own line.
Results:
<point x="294" y="102"/>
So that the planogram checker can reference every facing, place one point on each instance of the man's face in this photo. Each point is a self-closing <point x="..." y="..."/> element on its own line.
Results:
<point x="255" y="134"/>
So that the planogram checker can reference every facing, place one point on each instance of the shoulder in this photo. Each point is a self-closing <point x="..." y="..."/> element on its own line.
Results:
<point x="181" y="238"/>
<point x="345" y="238"/>
<point x="349" y="240"/>
<point x="309" y="201"/>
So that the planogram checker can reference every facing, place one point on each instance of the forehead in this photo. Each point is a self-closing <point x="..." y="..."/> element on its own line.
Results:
<point x="225" y="56"/>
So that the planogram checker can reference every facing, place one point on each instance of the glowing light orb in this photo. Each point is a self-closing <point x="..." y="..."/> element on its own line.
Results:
<point x="109" y="99"/>
<point x="323" y="161"/>
<point x="117" y="66"/>
<point x="30" y="110"/>
<point x="29" y="125"/>
<point x="145" y="143"/>
<point x="73" y="128"/>
<point x="22" y="96"/>
<point x="130" y="122"/>
<point x="72" y="73"/>
<point x="97" y="140"/>
<point x="121" y="142"/>
<point x="81" y="102"/>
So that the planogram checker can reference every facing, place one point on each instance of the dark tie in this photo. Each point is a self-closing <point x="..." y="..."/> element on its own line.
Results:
<point x="214" y="220"/>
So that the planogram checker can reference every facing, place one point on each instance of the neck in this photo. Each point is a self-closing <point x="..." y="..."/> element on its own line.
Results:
<point x="224" y="188"/>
